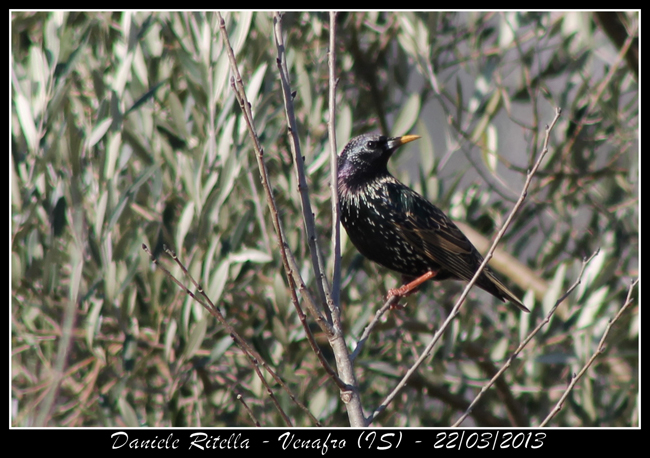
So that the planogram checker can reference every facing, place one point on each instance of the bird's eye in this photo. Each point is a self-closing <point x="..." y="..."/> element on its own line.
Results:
<point x="371" y="145"/>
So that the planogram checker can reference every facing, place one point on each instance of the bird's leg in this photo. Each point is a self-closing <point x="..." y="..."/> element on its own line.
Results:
<point x="407" y="289"/>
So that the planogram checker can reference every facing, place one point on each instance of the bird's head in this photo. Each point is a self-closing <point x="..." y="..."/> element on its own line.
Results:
<point x="369" y="153"/>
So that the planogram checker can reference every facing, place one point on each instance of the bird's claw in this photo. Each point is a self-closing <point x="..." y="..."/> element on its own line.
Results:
<point x="399" y="293"/>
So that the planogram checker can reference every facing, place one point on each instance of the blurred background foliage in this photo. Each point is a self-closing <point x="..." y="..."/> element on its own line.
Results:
<point x="125" y="130"/>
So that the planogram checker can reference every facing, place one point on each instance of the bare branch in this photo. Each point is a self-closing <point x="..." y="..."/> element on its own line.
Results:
<point x="331" y="129"/>
<point x="290" y="264"/>
<point x="289" y="261"/>
<point x="523" y="344"/>
<point x="299" y="166"/>
<point x="254" y="358"/>
<point x="599" y="351"/>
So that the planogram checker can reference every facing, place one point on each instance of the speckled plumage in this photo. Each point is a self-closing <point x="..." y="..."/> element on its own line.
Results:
<point x="396" y="227"/>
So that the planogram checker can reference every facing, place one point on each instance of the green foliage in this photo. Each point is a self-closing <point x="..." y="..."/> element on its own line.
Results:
<point x="125" y="130"/>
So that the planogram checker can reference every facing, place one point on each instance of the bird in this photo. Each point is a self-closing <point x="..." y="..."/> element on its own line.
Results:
<point x="394" y="226"/>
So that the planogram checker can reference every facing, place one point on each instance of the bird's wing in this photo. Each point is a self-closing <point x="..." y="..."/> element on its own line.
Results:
<point x="425" y="227"/>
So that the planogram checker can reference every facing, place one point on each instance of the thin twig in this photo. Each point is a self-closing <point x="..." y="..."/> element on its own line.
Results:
<point x="374" y="322"/>
<point x="290" y="264"/>
<point x="523" y="344"/>
<point x="488" y="256"/>
<point x="254" y="358"/>
<point x="354" y="407"/>
<point x="241" y="399"/>
<point x="299" y="166"/>
<point x="515" y="412"/>
<point x="599" y="351"/>
<point x="331" y="130"/>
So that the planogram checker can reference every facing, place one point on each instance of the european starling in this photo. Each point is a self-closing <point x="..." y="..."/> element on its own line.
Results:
<point x="394" y="226"/>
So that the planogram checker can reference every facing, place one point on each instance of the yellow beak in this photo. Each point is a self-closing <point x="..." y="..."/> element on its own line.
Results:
<point x="399" y="141"/>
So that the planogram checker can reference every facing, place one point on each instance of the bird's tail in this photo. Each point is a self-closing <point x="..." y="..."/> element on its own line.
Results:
<point x="499" y="290"/>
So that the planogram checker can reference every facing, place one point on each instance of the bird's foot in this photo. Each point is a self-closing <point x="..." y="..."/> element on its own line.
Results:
<point x="397" y="306"/>
<point x="397" y="293"/>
